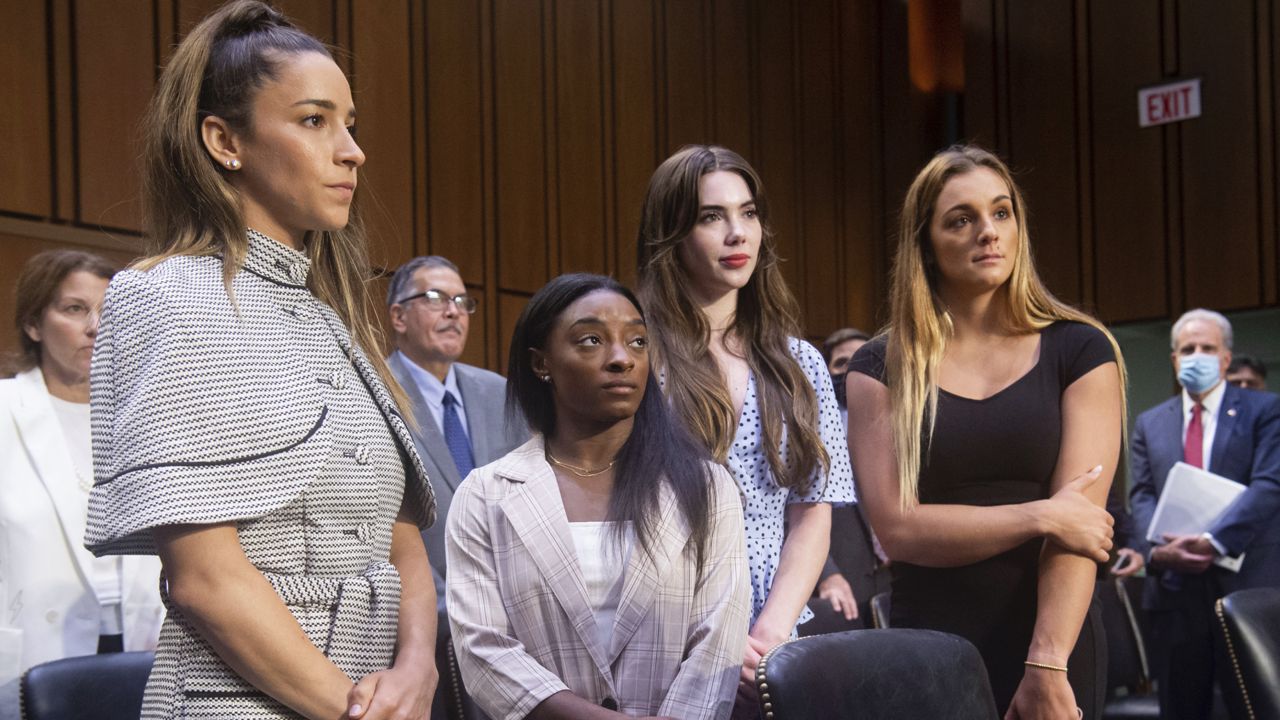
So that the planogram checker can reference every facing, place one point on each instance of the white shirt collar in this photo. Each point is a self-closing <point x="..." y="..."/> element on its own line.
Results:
<point x="1211" y="402"/>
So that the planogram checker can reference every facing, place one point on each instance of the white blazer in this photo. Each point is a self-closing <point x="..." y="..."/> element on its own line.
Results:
<point x="48" y="609"/>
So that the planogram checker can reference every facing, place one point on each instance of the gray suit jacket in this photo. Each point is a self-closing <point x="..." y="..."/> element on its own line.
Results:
<point x="492" y="436"/>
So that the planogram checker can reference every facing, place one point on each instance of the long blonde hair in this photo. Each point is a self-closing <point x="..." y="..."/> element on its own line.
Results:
<point x="919" y="324"/>
<point x="190" y="207"/>
<point x="767" y="317"/>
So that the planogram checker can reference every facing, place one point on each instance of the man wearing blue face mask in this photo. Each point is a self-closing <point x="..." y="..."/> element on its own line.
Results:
<point x="1234" y="433"/>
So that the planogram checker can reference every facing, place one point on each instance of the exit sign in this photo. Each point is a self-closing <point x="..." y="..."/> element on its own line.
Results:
<point x="1168" y="103"/>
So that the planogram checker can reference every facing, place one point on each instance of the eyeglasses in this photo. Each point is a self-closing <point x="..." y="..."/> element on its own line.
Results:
<point x="437" y="300"/>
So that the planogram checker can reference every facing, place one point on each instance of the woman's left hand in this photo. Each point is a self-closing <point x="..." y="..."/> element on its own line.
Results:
<point x="399" y="693"/>
<point x="1043" y="695"/>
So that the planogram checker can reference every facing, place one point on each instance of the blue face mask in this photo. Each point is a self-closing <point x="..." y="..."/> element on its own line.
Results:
<point x="1198" y="372"/>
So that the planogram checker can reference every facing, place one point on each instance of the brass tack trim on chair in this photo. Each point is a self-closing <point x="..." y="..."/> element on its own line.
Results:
<point x="762" y="679"/>
<point x="1235" y="663"/>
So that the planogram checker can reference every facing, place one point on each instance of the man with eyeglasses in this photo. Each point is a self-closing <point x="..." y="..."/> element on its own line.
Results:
<point x="459" y="409"/>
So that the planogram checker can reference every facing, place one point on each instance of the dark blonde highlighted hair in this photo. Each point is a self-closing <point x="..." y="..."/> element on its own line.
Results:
<point x="767" y="317"/>
<point x="191" y="208"/>
<point x="919" y="324"/>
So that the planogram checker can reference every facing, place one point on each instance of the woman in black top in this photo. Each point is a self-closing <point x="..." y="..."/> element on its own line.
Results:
<point x="985" y="427"/>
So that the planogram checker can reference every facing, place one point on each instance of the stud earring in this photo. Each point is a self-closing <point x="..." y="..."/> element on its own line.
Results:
<point x="546" y="378"/>
<point x="233" y="164"/>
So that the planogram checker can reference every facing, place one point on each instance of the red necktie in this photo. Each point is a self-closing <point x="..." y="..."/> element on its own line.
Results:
<point x="1193" y="450"/>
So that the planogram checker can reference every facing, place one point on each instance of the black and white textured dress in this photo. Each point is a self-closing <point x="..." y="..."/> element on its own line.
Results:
<point x="256" y="409"/>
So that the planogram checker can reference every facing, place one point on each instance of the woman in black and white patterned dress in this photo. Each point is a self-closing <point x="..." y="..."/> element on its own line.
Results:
<point x="241" y="432"/>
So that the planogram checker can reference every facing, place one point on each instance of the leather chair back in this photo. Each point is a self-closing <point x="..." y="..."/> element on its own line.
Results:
<point x="92" y="687"/>
<point x="875" y="675"/>
<point x="1247" y="640"/>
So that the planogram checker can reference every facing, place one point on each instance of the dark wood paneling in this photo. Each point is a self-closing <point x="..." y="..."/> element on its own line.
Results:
<point x="860" y="202"/>
<point x="520" y="119"/>
<point x="454" y="142"/>
<point x="474" y="353"/>
<point x="510" y="305"/>
<point x="778" y="163"/>
<point x="1220" y="232"/>
<point x="732" y="67"/>
<point x="579" y="129"/>
<point x="818" y="249"/>
<point x="1042" y="88"/>
<point x="1130" y="258"/>
<point x="384" y="102"/>
<point x="25" y="172"/>
<point x="114" y="77"/>
<point x="687" y="46"/>
<point x="634" y="122"/>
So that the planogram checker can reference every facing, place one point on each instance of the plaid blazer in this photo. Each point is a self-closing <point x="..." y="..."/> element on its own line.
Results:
<point x="522" y="625"/>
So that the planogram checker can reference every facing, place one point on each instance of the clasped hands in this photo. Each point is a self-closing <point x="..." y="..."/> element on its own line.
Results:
<point x="1189" y="554"/>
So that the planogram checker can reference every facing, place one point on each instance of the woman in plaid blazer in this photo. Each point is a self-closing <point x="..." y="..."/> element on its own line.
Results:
<point x="599" y="570"/>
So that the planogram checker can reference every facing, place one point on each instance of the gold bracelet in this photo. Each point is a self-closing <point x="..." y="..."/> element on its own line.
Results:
<point x="1043" y="666"/>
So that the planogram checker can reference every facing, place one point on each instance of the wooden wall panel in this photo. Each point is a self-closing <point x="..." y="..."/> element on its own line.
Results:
<point x="521" y="154"/>
<point x="455" y="174"/>
<point x="733" y="104"/>
<point x="25" y="172"/>
<point x="819" y="249"/>
<point x="510" y="305"/>
<point x="1220" y="232"/>
<point x="384" y="123"/>
<point x="635" y="126"/>
<point x="687" y="56"/>
<point x="777" y="126"/>
<point x="114" y="75"/>
<point x="581" y="155"/>
<point x="859" y="194"/>
<point x="1041" y="86"/>
<point x="1130" y="257"/>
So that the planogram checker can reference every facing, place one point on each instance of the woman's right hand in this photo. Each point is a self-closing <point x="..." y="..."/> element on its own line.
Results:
<point x="1075" y="522"/>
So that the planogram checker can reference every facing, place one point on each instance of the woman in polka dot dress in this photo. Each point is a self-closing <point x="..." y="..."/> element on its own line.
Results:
<point x="726" y="329"/>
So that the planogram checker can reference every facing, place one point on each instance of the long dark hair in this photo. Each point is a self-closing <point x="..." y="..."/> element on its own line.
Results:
<point x="658" y="448"/>
<point x="767" y="317"/>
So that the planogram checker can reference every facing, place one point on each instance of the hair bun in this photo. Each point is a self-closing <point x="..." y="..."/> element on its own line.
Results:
<point x="245" y="17"/>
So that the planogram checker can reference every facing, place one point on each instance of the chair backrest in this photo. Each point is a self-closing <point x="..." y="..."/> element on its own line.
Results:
<point x="875" y="675"/>
<point x="1247" y="638"/>
<point x="93" y="687"/>
<point x="880" y="610"/>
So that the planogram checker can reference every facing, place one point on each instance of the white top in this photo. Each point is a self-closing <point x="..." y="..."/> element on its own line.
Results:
<point x="106" y="581"/>
<point x="1208" y="417"/>
<point x="432" y="391"/>
<point x="603" y="566"/>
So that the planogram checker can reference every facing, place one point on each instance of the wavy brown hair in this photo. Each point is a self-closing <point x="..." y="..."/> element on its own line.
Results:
<point x="919" y="324"/>
<point x="767" y="317"/>
<point x="36" y="289"/>
<point x="190" y="208"/>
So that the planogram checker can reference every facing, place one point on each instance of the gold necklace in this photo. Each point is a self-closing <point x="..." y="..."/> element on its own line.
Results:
<point x="580" y="472"/>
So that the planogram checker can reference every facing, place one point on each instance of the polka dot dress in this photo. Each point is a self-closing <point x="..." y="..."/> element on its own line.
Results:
<point x="764" y="501"/>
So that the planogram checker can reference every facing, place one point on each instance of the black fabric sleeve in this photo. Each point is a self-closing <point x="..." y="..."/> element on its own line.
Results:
<point x="1083" y="348"/>
<point x="869" y="360"/>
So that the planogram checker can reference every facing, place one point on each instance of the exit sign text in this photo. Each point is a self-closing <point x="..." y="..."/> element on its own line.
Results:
<point x="1173" y="102"/>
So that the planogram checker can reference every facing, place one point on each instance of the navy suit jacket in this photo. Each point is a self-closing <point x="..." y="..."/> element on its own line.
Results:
<point x="1246" y="448"/>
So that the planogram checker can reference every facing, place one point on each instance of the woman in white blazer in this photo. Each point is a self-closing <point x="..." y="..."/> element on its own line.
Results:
<point x="56" y="599"/>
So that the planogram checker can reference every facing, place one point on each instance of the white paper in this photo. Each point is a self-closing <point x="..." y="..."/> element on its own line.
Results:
<point x="1192" y="500"/>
